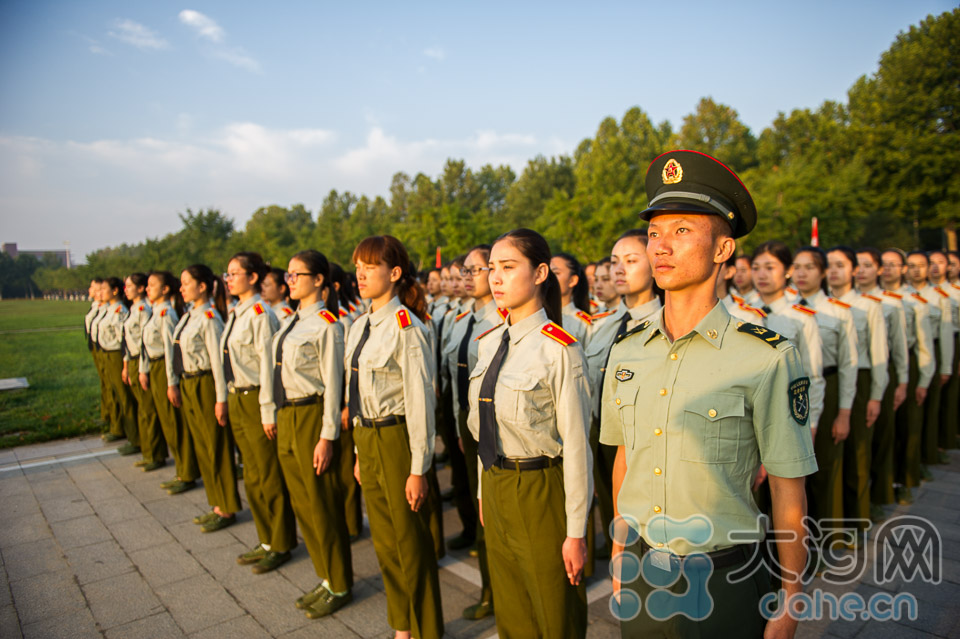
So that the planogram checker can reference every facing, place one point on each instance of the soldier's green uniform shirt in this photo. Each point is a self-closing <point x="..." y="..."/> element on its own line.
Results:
<point x="200" y="330"/>
<point x="158" y="340"/>
<point x="140" y="314"/>
<point x="110" y="327"/>
<point x="251" y="327"/>
<point x="697" y="416"/>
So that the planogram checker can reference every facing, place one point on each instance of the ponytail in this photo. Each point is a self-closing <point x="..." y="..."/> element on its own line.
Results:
<point x="117" y="283"/>
<point x="216" y="291"/>
<point x="551" y="298"/>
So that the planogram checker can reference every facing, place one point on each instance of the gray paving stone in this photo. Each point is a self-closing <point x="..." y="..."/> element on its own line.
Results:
<point x="78" y="624"/>
<point x="299" y="570"/>
<point x="118" y="600"/>
<point x="136" y="534"/>
<point x="198" y="603"/>
<point x="271" y="602"/>
<point x="33" y="558"/>
<point x="159" y="626"/>
<point x="23" y="529"/>
<point x="327" y="627"/>
<point x="6" y="598"/>
<point x="13" y="484"/>
<point x="195" y="541"/>
<point x="98" y="561"/>
<point x="245" y="627"/>
<point x="100" y="488"/>
<point x="9" y="622"/>
<point x="147" y="489"/>
<point x="164" y="564"/>
<point x="367" y="613"/>
<point x="20" y="505"/>
<point x="172" y="511"/>
<point x="59" y="488"/>
<point x="111" y="511"/>
<point x="81" y="531"/>
<point x="64" y="508"/>
<point x="36" y="597"/>
<point x="221" y="563"/>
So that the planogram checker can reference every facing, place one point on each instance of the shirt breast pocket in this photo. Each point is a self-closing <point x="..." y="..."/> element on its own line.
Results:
<point x="386" y="375"/>
<point x="625" y="400"/>
<point x="522" y="400"/>
<point x="711" y="428"/>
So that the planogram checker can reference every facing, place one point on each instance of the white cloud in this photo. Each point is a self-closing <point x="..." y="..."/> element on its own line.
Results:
<point x="237" y="57"/>
<point x="437" y="53"/>
<point x="137" y="35"/>
<point x="205" y="26"/>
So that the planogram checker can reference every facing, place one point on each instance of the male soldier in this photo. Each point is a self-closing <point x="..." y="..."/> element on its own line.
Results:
<point x="695" y="401"/>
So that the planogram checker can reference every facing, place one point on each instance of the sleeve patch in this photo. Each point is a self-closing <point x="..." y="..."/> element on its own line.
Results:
<point x="764" y="334"/>
<point x="258" y="309"/>
<point x="327" y="315"/>
<point x="585" y="317"/>
<point x="557" y="333"/>
<point x="799" y="400"/>
<point x="403" y="318"/>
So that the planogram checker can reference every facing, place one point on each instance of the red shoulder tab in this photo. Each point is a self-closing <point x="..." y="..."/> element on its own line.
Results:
<point x="327" y="315"/>
<point x="585" y="317"/>
<point x="209" y="314"/>
<point x="804" y="309"/>
<point x="351" y="307"/>
<point x="872" y="297"/>
<point x="919" y="297"/>
<point x="343" y="312"/>
<point x="461" y="316"/>
<point x="287" y="310"/>
<point x="118" y="309"/>
<point x="737" y="299"/>
<point x="556" y="332"/>
<point x="403" y="318"/>
<point x="503" y="312"/>
<point x="163" y="313"/>
<point x="486" y="332"/>
<point x="594" y="304"/>
<point x="792" y="290"/>
<point x="141" y="308"/>
<point x="753" y="309"/>
<point x="834" y="300"/>
<point x="955" y="286"/>
<point x="936" y="288"/>
<point x="258" y="309"/>
<point x="602" y="315"/>
<point x="429" y="317"/>
<point x="895" y="296"/>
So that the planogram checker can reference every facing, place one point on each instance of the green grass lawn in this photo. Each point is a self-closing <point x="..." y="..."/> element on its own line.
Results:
<point x="64" y="395"/>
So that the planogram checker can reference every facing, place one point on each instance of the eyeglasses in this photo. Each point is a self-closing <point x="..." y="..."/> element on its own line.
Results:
<point x="290" y="278"/>
<point x="474" y="271"/>
<point x="229" y="276"/>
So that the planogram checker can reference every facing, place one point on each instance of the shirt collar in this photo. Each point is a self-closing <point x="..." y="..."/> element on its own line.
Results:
<point x="643" y="311"/>
<point x="203" y="308"/>
<point x="816" y="298"/>
<point x="385" y="311"/>
<point x="243" y="306"/>
<point x="487" y="312"/>
<point x="306" y="311"/>
<point x="522" y="328"/>
<point x="711" y="328"/>
<point x="778" y="305"/>
<point x="851" y="296"/>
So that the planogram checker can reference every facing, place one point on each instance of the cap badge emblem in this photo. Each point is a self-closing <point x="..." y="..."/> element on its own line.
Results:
<point x="672" y="172"/>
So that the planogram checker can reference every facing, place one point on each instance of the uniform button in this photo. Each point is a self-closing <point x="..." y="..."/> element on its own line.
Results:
<point x="656" y="509"/>
<point x="657" y="471"/>
<point x="712" y="413"/>
<point x="657" y="432"/>
<point x="712" y="334"/>
<point x="659" y="545"/>
<point x="673" y="356"/>
<point x="618" y="401"/>
<point x="663" y="391"/>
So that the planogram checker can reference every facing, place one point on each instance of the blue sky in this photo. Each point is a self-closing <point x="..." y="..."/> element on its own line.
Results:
<point x="114" y="116"/>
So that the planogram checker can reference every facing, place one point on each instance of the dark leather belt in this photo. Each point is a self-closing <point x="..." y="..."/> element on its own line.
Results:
<point x="244" y="389"/>
<point x="829" y="370"/>
<point x="114" y="350"/>
<point x="380" y="422"/>
<point x="725" y="558"/>
<point x="187" y="375"/>
<point x="303" y="401"/>
<point x="155" y="359"/>
<point x="529" y="463"/>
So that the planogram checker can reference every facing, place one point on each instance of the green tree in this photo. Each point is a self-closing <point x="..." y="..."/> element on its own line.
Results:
<point x="716" y="129"/>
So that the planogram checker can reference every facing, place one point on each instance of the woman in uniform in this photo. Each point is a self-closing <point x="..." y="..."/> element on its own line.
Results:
<point x="196" y="360"/>
<point x="939" y="266"/>
<point x="606" y="291"/>
<point x="574" y="295"/>
<point x="248" y="372"/>
<point x="91" y="321"/>
<point x="110" y="339"/>
<point x="152" y="443"/>
<point x="871" y="383"/>
<point x="276" y="293"/>
<point x="838" y="336"/>
<point x="307" y="364"/>
<point x="390" y="390"/>
<point x="530" y="414"/>
<point x="156" y="376"/>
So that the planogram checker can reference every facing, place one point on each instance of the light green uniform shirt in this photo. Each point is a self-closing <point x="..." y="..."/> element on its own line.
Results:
<point x="542" y="404"/>
<point x="941" y="325"/>
<point x="919" y="332"/>
<point x="158" y="340"/>
<point x="140" y="314"/>
<point x="838" y="334"/>
<point x="312" y="363"/>
<point x="575" y="323"/>
<point x="200" y="344"/>
<point x="871" y="340"/>
<point x="396" y="376"/>
<point x="251" y="325"/>
<point x="896" y="321"/>
<point x="485" y="318"/>
<point x="110" y="326"/>
<point x="801" y="328"/>
<point x="696" y="417"/>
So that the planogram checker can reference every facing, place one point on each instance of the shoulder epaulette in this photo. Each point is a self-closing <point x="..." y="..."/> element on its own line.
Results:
<point x="602" y="315"/>
<point x="871" y="297"/>
<point x="737" y="299"/>
<point x="955" y="286"/>
<point x="351" y="307"/>
<point x="895" y="296"/>
<point x="752" y="309"/>
<point x="834" y="300"/>
<point x="258" y="309"/>
<point x="765" y="334"/>
<point x="804" y="309"/>
<point x="343" y="312"/>
<point x="287" y="310"/>
<point x="209" y="314"/>
<point x="556" y="332"/>
<point x="919" y="297"/>
<point x="941" y="291"/>
<point x="643" y="326"/>
<point x="118" y="309"/>
<point x="141" y="308"/>
<point x="429" y="317"/>
<point x="327" y="315"/>
<point x="792" y="290"/>
<point x="585" y="317"/>
<point x="503" y="312"/>
<point x="163" y="313"/>
<point x="461" y="316"/>
<point x="594" y="303"/>
<point x="403" y="318"/>
<point x="486" y="332"/>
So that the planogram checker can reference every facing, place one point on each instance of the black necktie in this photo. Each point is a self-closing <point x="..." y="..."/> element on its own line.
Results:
<point x="440" y="341"/>
<point x="123" y="341"/>
<point x="803" y="302"/>
<point x="463" y="373"/>
<point x="227" y="364"/>
<point x="488" y="414"/>
<point x="279" y="394"/>
<point x="766" y="309"/>
<point x="177" y="352"/>
<point x="355" y="374"/>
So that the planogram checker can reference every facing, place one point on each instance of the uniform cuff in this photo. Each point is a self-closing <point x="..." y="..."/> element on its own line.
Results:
<point x="791" y="469"/>
<point x="577" y="528"/>
<point x="268" y="414"/>
<point x="418" y="463"/>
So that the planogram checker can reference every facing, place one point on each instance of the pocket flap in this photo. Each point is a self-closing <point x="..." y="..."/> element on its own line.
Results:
<point x="716" y="406"/>
<point x="517" y="381"/>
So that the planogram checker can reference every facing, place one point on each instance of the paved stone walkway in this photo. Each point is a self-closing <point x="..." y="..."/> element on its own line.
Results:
<point x="92" y="547"/>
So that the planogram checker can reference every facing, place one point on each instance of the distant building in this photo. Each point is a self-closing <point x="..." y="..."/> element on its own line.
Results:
<point x="62" y="256"/>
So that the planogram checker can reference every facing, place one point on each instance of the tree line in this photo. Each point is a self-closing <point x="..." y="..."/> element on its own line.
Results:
<point x="881" y="169"/>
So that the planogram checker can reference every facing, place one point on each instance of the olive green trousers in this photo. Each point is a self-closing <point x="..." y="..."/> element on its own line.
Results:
<point x="175" y="430"/>
<point x="214" y="443"/>
<point x="125" y="414"/>
<point x="152" y="443"/>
